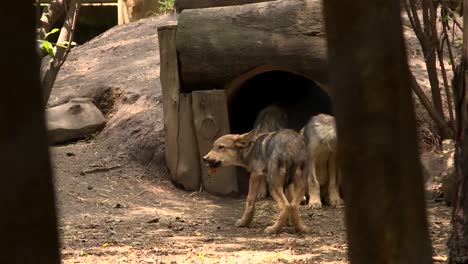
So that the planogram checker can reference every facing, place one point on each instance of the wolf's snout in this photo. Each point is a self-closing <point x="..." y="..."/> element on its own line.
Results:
<point x="211" y="162"/>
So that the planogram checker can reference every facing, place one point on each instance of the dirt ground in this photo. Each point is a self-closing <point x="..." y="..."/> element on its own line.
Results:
<point x="121" y="215"/>
<point x="115" y="202"/>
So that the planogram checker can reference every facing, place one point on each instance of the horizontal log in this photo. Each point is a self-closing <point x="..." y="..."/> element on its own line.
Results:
<point x="216" y="45"/>
<point x="180" y="5"/>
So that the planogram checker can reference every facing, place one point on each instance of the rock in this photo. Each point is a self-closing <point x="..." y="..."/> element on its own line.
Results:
<point x="448" y="176"/>
<point x="438" y="171"/>
<point x="76" y="119"/>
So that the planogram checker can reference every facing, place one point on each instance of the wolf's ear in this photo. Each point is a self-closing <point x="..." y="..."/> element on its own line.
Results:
<point x="246" y="139"/>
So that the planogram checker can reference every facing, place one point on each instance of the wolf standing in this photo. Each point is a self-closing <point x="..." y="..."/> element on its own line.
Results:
<point x="270" y="119"/>
<point x="321" y="141"/>
<point x="280" y="157"/>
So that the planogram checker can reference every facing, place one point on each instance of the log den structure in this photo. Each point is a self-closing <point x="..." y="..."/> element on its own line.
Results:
<point x="225" y="61"/>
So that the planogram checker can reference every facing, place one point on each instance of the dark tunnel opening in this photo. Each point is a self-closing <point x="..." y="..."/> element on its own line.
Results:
<point x="299" y="96"/>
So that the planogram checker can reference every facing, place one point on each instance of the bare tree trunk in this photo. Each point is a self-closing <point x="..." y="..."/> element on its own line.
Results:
<point x="66" y="35"/>
<point x="371" y="87"/>
<point x="28" y="227"/>
<point x="428" y="38"/>
<point x="458" y="241"/>
<point x="438" y="119"/>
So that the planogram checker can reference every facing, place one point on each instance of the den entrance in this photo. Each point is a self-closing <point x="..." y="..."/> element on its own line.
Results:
<point x="299" y="96"/>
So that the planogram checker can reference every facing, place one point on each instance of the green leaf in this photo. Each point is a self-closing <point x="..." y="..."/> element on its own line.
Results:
<point x="47" y="46"/>
<point x="55" y="30"/>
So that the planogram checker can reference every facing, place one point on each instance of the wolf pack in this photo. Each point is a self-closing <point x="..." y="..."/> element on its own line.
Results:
<point x="293" y="167"/>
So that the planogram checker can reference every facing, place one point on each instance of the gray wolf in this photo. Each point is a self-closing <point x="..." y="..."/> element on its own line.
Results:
<point x="321" y="142"/>
<point x="270" y="119"/>
<point x="279" y="157"/>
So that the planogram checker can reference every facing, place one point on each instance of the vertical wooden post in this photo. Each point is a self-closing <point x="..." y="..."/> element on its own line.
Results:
<point x="181" y="143"/>
<point x="187" y="171"/>
<point x="170" y="91"/>
<point x="211" y="121"/>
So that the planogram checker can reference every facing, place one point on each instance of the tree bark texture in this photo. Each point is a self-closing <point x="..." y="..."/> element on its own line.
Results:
<point x="28" y="226"/>
<point x="216" y="45"/>
<point x="458" y="241"/>
<point x="371" y="88"/>
<point x="66" y="35"/>
<point x="180" y="5"/>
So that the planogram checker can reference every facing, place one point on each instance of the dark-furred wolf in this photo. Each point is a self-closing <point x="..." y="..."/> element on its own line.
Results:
<point x="321" y="142"/>
<point x="270" y="119"/>
<point x="279" y="157"/>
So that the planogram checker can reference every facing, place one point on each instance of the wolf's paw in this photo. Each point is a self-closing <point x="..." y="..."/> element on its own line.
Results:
<point x="336" y="202"/>
<point x="242" y="223"/>
<point x="271" y="230"/>
<point x="314" y="205"/>
<point x="301" y="229"/>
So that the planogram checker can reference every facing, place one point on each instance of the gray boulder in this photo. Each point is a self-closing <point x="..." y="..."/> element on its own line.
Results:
<point x="76" y="119"/>
<point x="448" y="176"/>
<point x="438" y="170"/>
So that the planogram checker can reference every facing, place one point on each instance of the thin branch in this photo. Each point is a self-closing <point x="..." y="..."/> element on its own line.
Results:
<point x="446" y="37"/>
<point x="54" y="66"/>
<point x="440" y="55"/>
<point x="72" y="32"/>
<point x="438" y="119"/>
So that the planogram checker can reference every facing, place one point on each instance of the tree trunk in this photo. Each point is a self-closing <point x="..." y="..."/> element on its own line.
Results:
<point x="28" y="226"/>
<point x="458" y="241"/>
<point x="216" y="45"/>
<point x="66" y="35"/>
<point x="180" y="5"/>
<point x="383" y="185"/>
<point x="133" y="10"/>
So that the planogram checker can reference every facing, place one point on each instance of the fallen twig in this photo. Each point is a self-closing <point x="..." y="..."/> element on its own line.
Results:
<point x="76" y="197"/>
<point x="102" y="195"/>
<point x="101" y="169"/>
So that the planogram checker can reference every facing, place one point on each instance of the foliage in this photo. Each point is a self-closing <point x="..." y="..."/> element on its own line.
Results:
<point x="166" y="6"/>
<point x="50" y="47"/>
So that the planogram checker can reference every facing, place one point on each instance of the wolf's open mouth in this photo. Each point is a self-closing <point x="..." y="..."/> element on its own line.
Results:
<point x="211" y="171"/>
<point x="212" y="166"/>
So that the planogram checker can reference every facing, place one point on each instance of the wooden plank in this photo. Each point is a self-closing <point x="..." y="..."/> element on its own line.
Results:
<point x="170" y="86"/>
<point x="211" y="121"/>
<point x="187" y="171"/>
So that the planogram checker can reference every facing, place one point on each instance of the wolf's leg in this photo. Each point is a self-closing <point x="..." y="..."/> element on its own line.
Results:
<point x="298" y="187"/>
<point x="277" y="192"/>
<point x="314" y="185"/>
<point x="254" y="184"/>
<point x="333" y="187"/>
<point x="262" y="192"/>
<point x="290" y="195"/>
